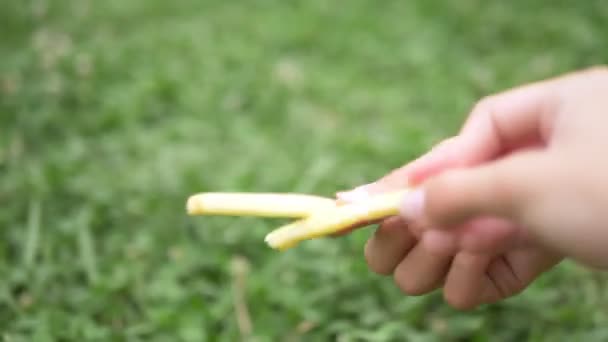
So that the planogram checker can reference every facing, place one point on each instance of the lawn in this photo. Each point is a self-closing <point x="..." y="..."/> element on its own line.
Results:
<point x="113" y="112"/>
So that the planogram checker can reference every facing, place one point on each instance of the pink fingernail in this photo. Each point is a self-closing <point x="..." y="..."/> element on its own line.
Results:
<point x="356" y="195"/>
<point x="412" y="207"/>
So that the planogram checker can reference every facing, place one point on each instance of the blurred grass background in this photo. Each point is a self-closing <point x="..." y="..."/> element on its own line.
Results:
<point x="113" y="112"/>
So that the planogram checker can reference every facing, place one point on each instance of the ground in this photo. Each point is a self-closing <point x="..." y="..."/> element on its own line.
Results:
<point x="114" y="112"/>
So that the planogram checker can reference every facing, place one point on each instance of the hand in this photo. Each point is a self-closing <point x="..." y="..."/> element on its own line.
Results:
<point x="467" y="262"/>
<point x="514" y="164"/>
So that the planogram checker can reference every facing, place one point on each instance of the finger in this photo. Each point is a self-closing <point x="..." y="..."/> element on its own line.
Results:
<point x="506" y="188"/>
<point x="466" y="280"/>
<point x="482" y="279"/>
<point x="506" y="121"/>
<point x="427" y="164"/>
<point x="528" y="264"/>
<point x="395" y="180"/>
<point x="523" y="114"/>
<point x="424" y="268"/>
<point x="439" y="158"/>
<point x="513" y="119"/>
<point x="521" y="117"/>
<point x="510" y="119"/>
<point x="517" y="118"/>
<point x="511" y="274"/>
<point x="388" y="246"/>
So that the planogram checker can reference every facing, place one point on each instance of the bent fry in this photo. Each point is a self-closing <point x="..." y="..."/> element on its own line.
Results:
<point x="329" y="222"/>
<point x="257" y="204"/>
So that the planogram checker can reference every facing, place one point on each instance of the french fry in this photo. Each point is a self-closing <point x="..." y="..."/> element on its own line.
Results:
<point x="288" y="205"/>
<point x="331" y="221"/>
<point x="316" y="216"/>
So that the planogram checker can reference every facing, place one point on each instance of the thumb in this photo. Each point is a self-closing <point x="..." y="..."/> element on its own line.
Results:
<point x="505" y="188"/>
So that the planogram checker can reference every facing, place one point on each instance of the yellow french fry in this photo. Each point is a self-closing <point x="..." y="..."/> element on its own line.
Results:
<point x="317" y="216"/>
<point x="289" y="205"/>
<point x="330" y="221"/>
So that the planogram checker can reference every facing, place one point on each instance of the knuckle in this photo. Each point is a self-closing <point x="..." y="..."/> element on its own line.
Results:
<point x="417" y="230"/>
<point x="505" y="281"/>
<point x="483" y="105"/>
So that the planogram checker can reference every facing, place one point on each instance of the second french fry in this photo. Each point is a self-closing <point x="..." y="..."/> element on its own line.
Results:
<point x="328" y="222"/>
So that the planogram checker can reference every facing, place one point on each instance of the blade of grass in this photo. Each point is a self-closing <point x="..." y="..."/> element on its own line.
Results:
<point x="33" y="234"/>
<point x="86" y="247"/>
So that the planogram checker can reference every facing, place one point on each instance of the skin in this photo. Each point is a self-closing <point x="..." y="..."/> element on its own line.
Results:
<point x="522" y="186"/>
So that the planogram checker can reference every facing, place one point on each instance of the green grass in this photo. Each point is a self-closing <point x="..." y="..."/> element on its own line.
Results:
<point x="113" y="112"/>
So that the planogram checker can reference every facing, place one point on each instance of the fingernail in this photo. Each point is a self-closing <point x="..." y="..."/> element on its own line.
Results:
<point x="412" y="207"/>
<point x="356" y="195"/>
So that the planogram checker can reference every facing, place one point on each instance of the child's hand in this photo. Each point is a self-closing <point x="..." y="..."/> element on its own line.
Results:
<point x="525" y="176"/>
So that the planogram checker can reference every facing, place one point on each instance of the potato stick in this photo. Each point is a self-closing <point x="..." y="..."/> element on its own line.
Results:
<point x="289" y="205"/>
<point x="330" y="221"/>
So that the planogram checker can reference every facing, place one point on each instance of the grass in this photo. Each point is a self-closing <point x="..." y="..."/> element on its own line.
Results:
<point x="113" y="112"/>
